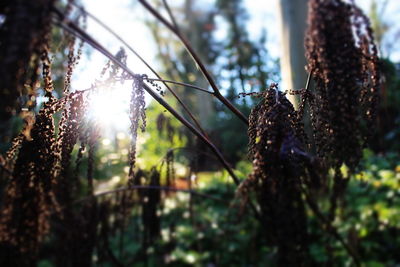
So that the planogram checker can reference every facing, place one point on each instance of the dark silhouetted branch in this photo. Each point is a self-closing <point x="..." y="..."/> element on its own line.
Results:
<point x="198" y="61"/>
<point x="182" y="84"/>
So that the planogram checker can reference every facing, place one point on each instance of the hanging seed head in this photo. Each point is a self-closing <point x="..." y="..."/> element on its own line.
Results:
<point x="29" y="196"/>
<point x="24" y="38"/>
<point x="154" y="84"/>
<point x="341" y="58"/>
<point x="137" y="117"/>
<point x="72" y="61"/>
<point x="70" y="126"/>
<point x="164" y="125"/>
<point x="277" y="151"/>
<point x="274" y="133"/>
<point x="122" y="57"/>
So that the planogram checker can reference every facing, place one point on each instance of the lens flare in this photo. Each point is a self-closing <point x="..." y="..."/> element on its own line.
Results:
<point x="109" y="107"/>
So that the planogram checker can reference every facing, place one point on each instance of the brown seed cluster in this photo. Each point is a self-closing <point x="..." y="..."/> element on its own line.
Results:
<point x="277" y="150"/>
<point x="343" y="62"/>
<point x="165" y="127"/>
<point x="71" y="128"/>
<point x="24" y="40"/>
<point x="342" y="59"/>
<point x="137" y="117"/>
<point x="30" y="193"/>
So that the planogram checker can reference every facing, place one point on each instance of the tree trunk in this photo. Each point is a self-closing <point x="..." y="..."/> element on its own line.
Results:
<point x="204" y="104"/>
<point x="293" y="18"/>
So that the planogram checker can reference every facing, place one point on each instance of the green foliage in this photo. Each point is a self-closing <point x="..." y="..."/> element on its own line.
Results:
<point x="369" y="216"/>
<point x="156" y="142"/>
<point x="199" y="231"/>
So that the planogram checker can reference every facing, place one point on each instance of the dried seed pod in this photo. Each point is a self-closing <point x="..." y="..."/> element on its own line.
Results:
<point x="76" y="236"/>
<point x="46" y="71"/>
<point x="278" y="164"/>
<point x="164" y="125"/>
<point x="70" y="64"/>
<point x="154" y="84"/>
<point x="137" y="114"/>
<point x="29" y="196"/>
<point x="370" y="67"/>
<point x="24" y="37"/>
<point x="160" y="123"/>
<point x="341" y="58"/>
<point x="12" y="152"/>
<point x="69" y="131"/>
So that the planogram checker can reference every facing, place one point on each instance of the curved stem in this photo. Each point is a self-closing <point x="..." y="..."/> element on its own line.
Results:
<point x="308" y="80"/>
<point x="182" y="84"/>
<point x="196" y="58"/>
<point x="171" y="15"/>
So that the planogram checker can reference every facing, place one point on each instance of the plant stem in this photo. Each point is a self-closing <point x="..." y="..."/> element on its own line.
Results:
<point x="196" y="58"/>
<point x="182" y="84"/>
<point x="171" y="15"/>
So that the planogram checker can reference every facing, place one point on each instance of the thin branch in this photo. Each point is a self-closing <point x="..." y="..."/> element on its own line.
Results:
<point x="159" y="80"/>
<point x="164" y="188"/>
<point x="182" y="84"/>
<point x="198" y="61"/>
<point x="130" y="48"/>
<point x="308" y="81"/>
<point x="330" y="228"/>
<point x="171" y="15"/>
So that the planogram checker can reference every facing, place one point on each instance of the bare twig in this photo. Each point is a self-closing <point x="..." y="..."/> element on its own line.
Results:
<point x="308" y="81"/>
<point x="171" y="15"/>
<point x="160" y="80"/>
<point x="182" y="84"/>
<point x="198" y="61"/>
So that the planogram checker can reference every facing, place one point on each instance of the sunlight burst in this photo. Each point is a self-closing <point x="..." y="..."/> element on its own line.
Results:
<point x="109" y="107"/>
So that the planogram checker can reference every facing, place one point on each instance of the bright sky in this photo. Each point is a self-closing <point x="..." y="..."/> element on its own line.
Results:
<point x="125" y="17"/>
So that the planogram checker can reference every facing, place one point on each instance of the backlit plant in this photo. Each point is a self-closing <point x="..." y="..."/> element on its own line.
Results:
<point x="291" y="165"/>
